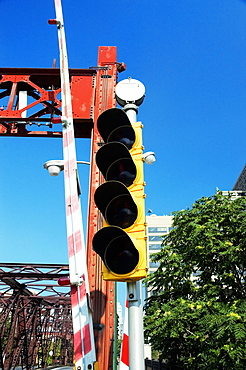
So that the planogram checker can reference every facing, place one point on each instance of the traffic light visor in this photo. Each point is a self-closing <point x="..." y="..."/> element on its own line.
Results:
<point x="114" y="125"/>
<point x="116" y="249"/>
<point x="115" y="162"/>
<point x="116" y="204"/>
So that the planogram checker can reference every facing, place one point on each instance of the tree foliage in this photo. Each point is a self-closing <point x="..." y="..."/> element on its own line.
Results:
<point x="200" y="322"/>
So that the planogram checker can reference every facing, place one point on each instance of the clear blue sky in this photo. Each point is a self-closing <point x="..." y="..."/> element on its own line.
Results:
<point x="189" y="54"/>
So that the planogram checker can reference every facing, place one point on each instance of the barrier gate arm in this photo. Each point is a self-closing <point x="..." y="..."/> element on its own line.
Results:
<point x="84" y="347"/>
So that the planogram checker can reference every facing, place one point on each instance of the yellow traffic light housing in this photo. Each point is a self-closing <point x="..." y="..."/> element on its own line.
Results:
<point x="121" y="243"/>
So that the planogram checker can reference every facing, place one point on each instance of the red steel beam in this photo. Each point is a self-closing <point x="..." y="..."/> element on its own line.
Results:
<point x="31" y="325"/>
<point x="43" y="89"/>
<point x="102" y="292"/>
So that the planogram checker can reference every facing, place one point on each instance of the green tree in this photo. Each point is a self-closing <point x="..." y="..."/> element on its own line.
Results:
<point x="201" y="323"/>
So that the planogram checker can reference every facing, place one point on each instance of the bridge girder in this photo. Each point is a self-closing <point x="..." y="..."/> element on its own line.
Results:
<point x="36" y="322"/>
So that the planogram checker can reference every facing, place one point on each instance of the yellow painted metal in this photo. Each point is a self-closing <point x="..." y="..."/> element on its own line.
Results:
<point x="137" y="231"/>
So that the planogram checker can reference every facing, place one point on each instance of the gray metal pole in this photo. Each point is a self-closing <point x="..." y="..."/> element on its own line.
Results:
<point x="135" y="325"/>
<point x="131" y="111"/>
<point x="134" y="296"/>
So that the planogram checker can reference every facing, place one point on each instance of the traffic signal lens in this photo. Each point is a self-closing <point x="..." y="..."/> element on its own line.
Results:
<point x="124" y="135"/>
<point x="123" y="170"/>
<point x="121" y="211"/>
<point x="121" y="256"/>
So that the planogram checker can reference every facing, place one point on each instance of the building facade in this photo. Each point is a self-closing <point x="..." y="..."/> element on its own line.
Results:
<point x="157" y="227"/>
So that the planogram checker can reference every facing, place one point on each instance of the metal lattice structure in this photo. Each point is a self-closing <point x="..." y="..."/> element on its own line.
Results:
<point x="35" y="316"/>
<point x="30" y="98"/>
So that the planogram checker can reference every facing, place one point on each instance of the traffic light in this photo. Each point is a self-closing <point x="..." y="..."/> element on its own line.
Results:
<point x="121" y="243"/>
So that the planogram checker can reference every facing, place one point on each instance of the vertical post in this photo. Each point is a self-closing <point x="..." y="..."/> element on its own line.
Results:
<point x="115" y="329"/>
<point x="22" y="102"/>
<point x="84" y="348"/>
<point x="134" y="296"/>
<point x="102" y="292"/>
<point x="135" y="325"/>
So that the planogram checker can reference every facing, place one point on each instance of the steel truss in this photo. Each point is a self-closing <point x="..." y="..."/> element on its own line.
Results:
<point x="35" y="316"/>
<point x="30" y="97"/>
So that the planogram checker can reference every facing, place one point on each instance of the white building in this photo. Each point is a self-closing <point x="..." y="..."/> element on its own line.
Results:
<point x="157" y="226"/>
<point x="234" y="193"/>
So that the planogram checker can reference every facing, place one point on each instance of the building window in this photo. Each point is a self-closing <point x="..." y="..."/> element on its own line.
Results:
<point x="154" y="264"/>
<point x="155" y="238"/>
<point x="157" y="229"/>
<point x="154" y="247"/>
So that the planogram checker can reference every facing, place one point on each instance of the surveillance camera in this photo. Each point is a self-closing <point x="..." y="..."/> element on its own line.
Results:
<point x="149" y="157"/>
<point x="54" y="167"/>
<point x="54" y="170"/>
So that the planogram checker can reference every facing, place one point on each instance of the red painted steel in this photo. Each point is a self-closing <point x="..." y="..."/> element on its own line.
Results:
<point x="92" y="92"/>
<point x="35" y="316"/>
<point x="102" y="292"/>
<point x="43" y="104"/>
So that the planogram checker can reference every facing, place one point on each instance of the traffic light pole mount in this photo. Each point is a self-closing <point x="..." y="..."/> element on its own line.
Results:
<point x="136" y="89"/>
<point x="135" y="325"/>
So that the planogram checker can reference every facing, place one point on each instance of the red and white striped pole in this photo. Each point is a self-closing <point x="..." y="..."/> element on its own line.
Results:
<point x="84" y="347"/>
<point x="124" y="354"/>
